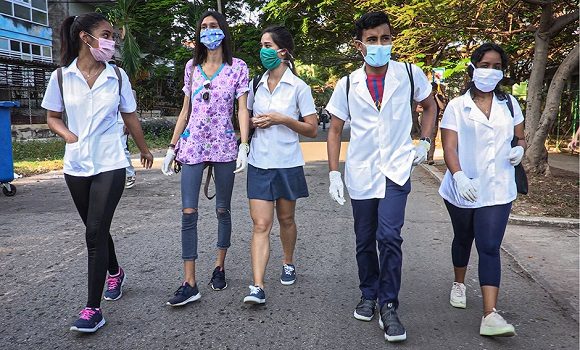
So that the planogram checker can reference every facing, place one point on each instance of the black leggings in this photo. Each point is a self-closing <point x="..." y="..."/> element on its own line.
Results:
<point x="96" y="198"/>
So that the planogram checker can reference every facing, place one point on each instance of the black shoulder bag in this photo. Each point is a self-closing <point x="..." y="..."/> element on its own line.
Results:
<point x="520" y="174"/>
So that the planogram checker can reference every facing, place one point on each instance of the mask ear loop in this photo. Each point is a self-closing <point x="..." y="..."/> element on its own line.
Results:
<point x="289" y="62"/>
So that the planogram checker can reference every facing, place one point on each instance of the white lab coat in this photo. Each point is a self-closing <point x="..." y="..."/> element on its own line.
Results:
<point x="380" y="142"/>
<point x="483" y="147"/>
<point x="278" y="146"/>
<point x="92" y="116"/>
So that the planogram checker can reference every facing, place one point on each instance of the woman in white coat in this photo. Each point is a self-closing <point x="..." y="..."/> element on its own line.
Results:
<point x="479" y="186"/>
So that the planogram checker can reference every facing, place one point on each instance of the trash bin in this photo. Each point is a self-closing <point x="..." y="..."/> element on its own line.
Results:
<point x="6" y="162"/>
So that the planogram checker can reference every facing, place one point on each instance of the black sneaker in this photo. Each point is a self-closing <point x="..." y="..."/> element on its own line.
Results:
<point x="184" y="294"/>
<point x="390" y="323"/>
<point x="218" y="279"/>
<point x="90" y="320"/>
<point x="365" y="310"/>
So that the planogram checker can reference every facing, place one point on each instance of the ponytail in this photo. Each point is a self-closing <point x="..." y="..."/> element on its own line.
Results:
<point x="283" y="39"/>
<point x="70" y="28"/>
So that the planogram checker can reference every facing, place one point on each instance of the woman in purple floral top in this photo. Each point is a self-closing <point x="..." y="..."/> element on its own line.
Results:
<point x="213" y="81"/>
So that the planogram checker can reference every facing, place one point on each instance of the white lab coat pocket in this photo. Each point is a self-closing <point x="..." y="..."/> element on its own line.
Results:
<point x="108" y="150"/>
<point x="400" y="106"/>
<point x="358" y="175"/>
<point x="72" y="156"/>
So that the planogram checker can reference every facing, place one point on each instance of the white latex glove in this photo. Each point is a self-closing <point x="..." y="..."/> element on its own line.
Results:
<point x="336" y="188"/>
<point x="465" y="186"/>
<point x="516" y="155"/>
<point x="167" y="167"/>
<point x="242" y="161"/>
<point x="421" y="152"/>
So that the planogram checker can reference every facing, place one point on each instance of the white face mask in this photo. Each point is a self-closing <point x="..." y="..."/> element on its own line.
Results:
<point x="486" y="79"/>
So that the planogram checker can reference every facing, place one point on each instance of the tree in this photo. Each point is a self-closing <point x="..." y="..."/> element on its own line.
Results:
<point x="553" y="20"/>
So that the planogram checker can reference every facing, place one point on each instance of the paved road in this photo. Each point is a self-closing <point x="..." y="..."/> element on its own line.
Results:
<point x="43" y="264"/>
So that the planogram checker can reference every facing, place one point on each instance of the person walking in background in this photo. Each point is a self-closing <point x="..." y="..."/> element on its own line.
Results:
<point x="377" y="100"/>
<point x="275" y="171"/>
<point x="204" y="134"/>
<point x="94" y="161"/>
<point x="479" y="186"/>
<point x="573" y="145"/>
<point x="440" y="103"/>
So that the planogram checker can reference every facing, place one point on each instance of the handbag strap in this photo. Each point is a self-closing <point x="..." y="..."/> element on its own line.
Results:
<point x="208" y="180"/>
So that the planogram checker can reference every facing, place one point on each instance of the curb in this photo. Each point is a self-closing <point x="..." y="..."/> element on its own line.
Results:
<point x="520" y="219"/>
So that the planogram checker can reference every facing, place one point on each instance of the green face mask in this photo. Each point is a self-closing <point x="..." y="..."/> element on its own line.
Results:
<point x="269" y="58"/>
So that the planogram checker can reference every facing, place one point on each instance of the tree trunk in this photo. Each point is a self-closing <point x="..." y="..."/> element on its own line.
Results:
<point x="536" y="82"/>
<point x="537" y="155"/>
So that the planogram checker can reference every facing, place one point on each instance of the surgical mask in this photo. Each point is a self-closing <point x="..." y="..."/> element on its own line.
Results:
<point x="377" y="55"/>
<point x="486" y="79"/>
<point x="212" y="38"/>
<point x="269" y="58"/>
<point x="105" y="51"/>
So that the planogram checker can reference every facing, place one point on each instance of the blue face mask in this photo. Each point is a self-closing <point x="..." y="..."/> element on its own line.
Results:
<point x="378" y="55"/>
<point x="211" y="38"/>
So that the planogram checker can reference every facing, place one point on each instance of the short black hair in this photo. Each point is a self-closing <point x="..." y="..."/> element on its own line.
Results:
<point x="370" y="20"/>
<point x="200" y="54"/>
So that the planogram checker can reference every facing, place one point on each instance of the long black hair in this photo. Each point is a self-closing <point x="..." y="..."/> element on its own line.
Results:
<point x="200" y="54"/>
<point x="283" y="39"/>
<point x="476" y="57"/>
<point x="70" y="42"/>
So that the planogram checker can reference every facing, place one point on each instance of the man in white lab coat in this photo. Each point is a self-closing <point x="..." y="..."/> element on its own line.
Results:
<point x="377" y="99"/>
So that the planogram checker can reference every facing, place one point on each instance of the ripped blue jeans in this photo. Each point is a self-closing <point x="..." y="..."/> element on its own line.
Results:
<point x="191" y="178"/>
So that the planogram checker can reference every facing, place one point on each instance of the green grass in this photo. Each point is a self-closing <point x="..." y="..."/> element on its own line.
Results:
<point x="37" y="157"/>
<point x="38" y="150"/>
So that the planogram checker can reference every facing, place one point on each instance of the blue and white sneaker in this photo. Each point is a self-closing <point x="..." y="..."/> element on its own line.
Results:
<point x="185" y="294"/>
<point x="90" y="320"/>
<point x="115" y="285"/>
<point x="288" y="275"/>
<point x="256" y="296"/>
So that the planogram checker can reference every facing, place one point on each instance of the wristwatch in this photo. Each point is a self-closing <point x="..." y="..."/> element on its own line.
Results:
<point x="428" y="139"/>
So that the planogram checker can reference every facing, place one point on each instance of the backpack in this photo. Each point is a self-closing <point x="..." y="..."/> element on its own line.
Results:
<point x="59" y="79"/>
<point x="409" y="69"/>
<point x="520" y="174"/>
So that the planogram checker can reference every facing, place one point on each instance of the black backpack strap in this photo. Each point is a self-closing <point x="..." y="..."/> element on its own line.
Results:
<point x="347" y="92"/>
<point x="120" y="79"/>
<point x="256" y="82"/>
<point x="409" y="69"/>
<point x="510" y="105"/>
<point x="59" y="79"/>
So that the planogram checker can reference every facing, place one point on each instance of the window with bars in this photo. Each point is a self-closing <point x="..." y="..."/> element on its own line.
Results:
<point x="35" y="11"/>
<point x="25" y="51"/>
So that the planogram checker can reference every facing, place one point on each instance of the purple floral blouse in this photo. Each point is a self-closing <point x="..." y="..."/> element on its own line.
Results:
<point x="209" y="135"/>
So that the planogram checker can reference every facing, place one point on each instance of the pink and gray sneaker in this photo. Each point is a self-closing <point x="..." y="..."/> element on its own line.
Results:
<point x="90" y="320"/>
<point x="115" y="285"/>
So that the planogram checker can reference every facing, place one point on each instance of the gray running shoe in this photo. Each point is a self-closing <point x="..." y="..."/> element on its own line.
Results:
<point x="365" y="310"/>
<point x="390" y="323"/>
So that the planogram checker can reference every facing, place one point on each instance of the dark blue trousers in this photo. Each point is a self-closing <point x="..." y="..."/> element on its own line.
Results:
<point x="380" y="221"/>
<point x="487" y="226"/>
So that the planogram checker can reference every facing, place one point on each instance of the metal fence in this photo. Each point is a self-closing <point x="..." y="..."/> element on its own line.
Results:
<point x="25" y="82"/>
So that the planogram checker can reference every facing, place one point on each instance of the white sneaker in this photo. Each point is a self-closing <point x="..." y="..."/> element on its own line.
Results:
<point x="129" y="181"/>
<point x="457" y="297"/>
<point x="495" y="325"/>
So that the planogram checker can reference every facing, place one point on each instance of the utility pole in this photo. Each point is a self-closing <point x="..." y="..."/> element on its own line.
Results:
<point x="219" y="6"/>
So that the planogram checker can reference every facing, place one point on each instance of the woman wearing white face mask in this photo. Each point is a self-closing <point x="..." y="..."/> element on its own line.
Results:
<point x="479" y="186"/>
<point x="94" y="160"/>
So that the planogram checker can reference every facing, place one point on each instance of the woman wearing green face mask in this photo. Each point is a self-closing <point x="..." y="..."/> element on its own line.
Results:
<point x="275" y="163"/>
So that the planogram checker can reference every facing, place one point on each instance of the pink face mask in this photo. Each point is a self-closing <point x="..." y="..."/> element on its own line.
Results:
<point x="105" y="51"/>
